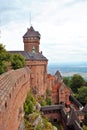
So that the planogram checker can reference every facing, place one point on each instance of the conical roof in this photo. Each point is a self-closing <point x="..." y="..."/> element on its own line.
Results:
<point x="31" y="33"/>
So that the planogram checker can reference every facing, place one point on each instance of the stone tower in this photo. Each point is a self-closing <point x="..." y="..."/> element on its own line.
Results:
<point x="31" y="40"/>
<point x="35" y="60"/>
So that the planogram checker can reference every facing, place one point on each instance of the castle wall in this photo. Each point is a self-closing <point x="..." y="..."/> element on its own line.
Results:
<point x="14" y="86"/>
<point x="64" y="94"/>
<point x="38" y="75"/>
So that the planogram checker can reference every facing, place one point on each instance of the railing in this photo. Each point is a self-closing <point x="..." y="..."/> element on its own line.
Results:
<point x="77" y="126"/>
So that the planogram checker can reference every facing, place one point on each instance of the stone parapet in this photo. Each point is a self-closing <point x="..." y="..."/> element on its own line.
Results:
<point x="14" y="86"/>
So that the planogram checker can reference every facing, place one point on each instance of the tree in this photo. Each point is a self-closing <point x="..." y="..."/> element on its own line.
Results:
<point x="85" y="119"/>
<point x="17" y="61"/>
<point x="3" y="59"/>
<point x="76" y="82"/>
<point x="66" y="80"/>
<point x="3" y="67"/>
<point x="3" y="51"/>
<point x="82" y="95"/>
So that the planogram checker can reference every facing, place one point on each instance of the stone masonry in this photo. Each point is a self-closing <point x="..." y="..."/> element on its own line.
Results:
<point x="14" y="86"/>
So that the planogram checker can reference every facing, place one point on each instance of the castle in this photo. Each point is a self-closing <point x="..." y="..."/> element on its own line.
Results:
<point x="15" y="84"/>
<point x="34" y="60"/>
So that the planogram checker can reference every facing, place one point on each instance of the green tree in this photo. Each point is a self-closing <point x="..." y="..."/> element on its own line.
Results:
<point x="85" y="119"/>
<point x="3" y="52"/>
<point x="3" y="67"/>
<point x="76" y="82"/>
<point x="17" y="61"/>
<point x="3" y="59"/>
<point x="66" y="80"/>
<point x="82" y="95"/>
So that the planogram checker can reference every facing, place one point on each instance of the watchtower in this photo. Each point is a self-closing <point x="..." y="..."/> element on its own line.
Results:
<point x="31" y="39"/>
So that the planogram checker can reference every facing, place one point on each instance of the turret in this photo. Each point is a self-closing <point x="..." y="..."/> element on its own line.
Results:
<point x="31" y="40"/>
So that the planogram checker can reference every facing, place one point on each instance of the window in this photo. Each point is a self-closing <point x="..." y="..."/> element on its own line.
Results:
<point x="10" y="95"/>
<point x="5" y="104"/>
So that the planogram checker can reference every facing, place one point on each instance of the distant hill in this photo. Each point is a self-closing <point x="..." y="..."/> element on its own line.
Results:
<point x="69" y="69"/>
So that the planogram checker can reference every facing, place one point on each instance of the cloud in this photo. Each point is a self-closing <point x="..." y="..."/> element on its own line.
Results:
<point x="61" y="23"/>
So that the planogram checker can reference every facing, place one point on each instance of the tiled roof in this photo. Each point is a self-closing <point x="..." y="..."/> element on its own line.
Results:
<point x="31" y="33"/>
<point x="73" y="99"/>
<point x="31" y="56"/>
<point x="58" y="74"/>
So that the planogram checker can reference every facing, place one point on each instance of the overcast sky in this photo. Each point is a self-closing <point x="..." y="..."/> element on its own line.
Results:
<point x="61" y="23"/>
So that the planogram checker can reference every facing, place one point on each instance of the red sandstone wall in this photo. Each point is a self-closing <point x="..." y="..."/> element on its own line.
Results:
<point x="38" y="75"/>
<point x="14" y="86"/>
<point x="64" y="93"/>
<point x="29" y="43"/>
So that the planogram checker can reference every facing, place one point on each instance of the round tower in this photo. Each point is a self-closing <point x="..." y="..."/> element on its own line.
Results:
<point x="31" y="39"/>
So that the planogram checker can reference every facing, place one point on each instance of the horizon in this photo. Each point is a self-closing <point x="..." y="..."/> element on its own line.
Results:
<point x="63" y="27"/>
<point x="67" y="63"/>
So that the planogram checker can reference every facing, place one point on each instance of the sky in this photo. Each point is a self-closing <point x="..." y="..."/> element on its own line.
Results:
<point x="61" y="23"/>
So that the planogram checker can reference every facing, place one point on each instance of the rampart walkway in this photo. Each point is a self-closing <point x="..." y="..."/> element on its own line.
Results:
<point x="14" y="86"/>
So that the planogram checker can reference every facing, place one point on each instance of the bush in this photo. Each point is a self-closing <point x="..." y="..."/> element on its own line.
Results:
<point x="29" y="103"/>
<point x="48" y="101"/>
<point x="38" y="127"/>
<point x="43" y="103"/>
<point x="3" y="67"/>
<point x="28" y="107"/>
